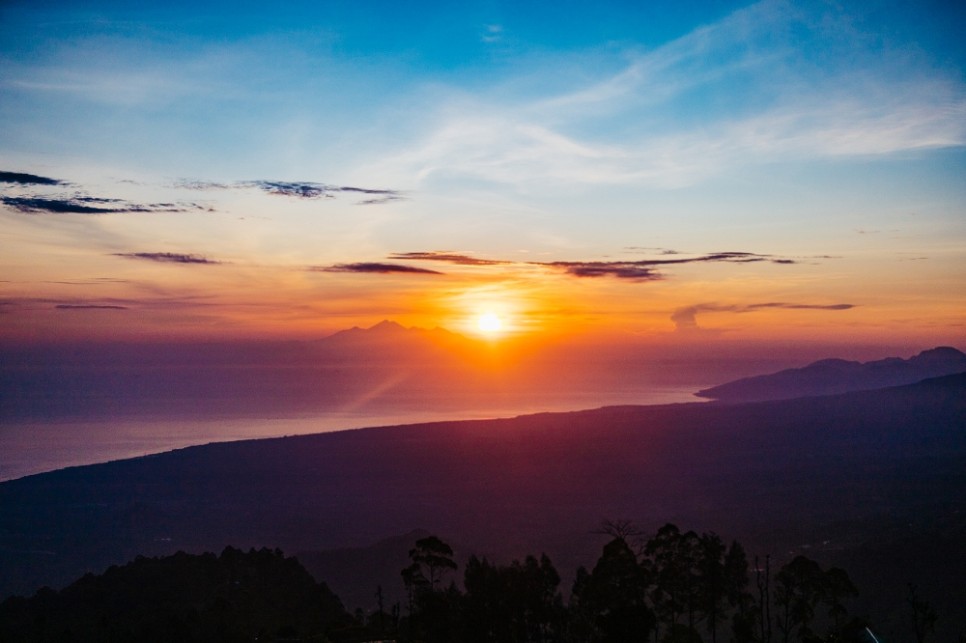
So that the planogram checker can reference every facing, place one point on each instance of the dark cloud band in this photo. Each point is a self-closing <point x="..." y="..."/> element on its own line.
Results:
<point x="89" y="307"/>
<point x="167" y="257"/>
<point x="637" y="270"/>
<point x="87" y="205"/>
<point x="23" y="178"/>
<point x="374" y="267"/>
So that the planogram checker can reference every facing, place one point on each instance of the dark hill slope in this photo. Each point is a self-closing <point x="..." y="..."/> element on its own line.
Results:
<point x="775" y="475"/>
<point x="833" y="376"/>
<point x="237" y="596"/>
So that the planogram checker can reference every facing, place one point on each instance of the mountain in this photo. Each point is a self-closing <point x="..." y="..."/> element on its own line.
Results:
<point x="390" y="341"/>
<point x="831" y="376"/>
<point x="382" y="370"/>
<point x="831" y="474"/>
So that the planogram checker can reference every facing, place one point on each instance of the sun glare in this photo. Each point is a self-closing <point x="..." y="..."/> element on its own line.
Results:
<point x="489" y="323"/>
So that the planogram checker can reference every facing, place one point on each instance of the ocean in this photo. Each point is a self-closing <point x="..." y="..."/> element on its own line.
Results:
<point x="31" y="447"/>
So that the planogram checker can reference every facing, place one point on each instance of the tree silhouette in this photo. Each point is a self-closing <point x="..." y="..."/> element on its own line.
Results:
<point x="801" y="586"/>
<point x="435" y="557"/>
<point x="673" y="559"/>
<point x="614" y="596"/>
<point x="740" y="601"/>
<point x="431" y="611"/>
<point x="520" y="602"/>
<point x="711" y="581"/>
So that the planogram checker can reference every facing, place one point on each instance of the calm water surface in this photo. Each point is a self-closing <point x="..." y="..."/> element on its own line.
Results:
<point x="28" y="448"/>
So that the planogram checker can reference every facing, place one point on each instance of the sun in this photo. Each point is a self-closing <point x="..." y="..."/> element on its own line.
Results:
<point x="489" y="323"/>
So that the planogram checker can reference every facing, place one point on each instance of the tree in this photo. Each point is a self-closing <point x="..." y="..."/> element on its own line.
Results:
<point x="519" y="602"/>
<point x="435" y="557"/>
<point x="614" y="594"/>
<point x="711" y="581"/>
<point x="673" y="562"/>
<point x="736" y="593"/>
<point x="431" y="611"/>
<point x="763" y="582"/>
<point x="799" y="588"/>
<point x="802" y="586"/>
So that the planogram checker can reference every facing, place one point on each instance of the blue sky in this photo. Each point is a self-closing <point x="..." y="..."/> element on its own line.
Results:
<point x="831" y="134"/>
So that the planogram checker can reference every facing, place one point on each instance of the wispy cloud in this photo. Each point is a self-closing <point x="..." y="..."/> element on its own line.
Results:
<point x="636" y="270"/>
<point x="448" y="257"/>
<point x="381" y="200"/>
<point x="623" y="129"/>
<point x="82" y="203"/>
<point x="297" y="189"/>
<point x="492" y="33"/>
<point x="375" y="267"/>
<point x="96" y="281"/>
<point x="686" y="318"/>
<point x="168" y="257"/>
<point x="645" y="269"/>
<point x="89" y="307"/>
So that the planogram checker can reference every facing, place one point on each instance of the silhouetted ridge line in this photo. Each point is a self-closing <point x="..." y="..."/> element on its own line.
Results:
<point x="832" y="376"/>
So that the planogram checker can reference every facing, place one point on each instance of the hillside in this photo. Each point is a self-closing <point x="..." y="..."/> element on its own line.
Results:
<point x="830" y="474"/>
<point x="237" y="596"/>
<point x="832" y="376"/>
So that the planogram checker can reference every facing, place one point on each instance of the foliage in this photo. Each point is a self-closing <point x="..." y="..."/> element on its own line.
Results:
<point x="676" y="587"/>
<point x="236" y="596"/>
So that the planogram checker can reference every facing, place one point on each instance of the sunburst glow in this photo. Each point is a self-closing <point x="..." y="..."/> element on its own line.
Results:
<point x="489" y="323"/>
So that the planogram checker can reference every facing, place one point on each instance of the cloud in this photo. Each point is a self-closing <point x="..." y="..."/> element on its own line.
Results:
<point x="630" y="270"/>
<point x="89" y="307"/>
<point x="193" y="184"/>
<point x="87" y="205"/>
<point x="81" y="203"/>
<point x="373" y="267"/>
<point x="381" y="200"/>
<point x="685" y="319"/>
<point x="365" y="190"/>
<point x="448" y="257"/>
<point x="168" y="257"/>
<point x="492" y="33"/>
<point x="296" y="189"/>
<point x="645" y="269"/>
<point x="310" y="190"/>
<point x="22" y="178"/>
<point x="56" y="206"/>
<point x="96" y="281"/>
<point x="650" y="250"/>
<point x="642" y="123"/>
<point x="638" y="270"/>
<point x="285" y="188"/>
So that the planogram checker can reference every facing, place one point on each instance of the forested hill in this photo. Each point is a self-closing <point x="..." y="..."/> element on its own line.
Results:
<point x="237" y="596"/>
<point x="674" y="586"/>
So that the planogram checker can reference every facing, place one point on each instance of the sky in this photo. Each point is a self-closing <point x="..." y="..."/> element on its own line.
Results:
<point x="777" y="171"/>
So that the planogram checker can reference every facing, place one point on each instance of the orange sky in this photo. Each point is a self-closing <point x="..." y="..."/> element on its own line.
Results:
<point x="729" y="173"/>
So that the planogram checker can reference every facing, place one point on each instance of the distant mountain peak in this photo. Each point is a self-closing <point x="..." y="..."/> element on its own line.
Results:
<point x="832" y="376"/>
<point x="941" y="352"/>
<point x="390" y="338"/>
<point x="387" y="326"/>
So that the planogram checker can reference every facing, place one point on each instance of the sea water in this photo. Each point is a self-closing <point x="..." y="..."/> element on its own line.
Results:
<point x="31" y="447"/>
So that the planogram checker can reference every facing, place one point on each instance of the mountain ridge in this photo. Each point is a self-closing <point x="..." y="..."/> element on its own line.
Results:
<point x="831" y="376"/>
